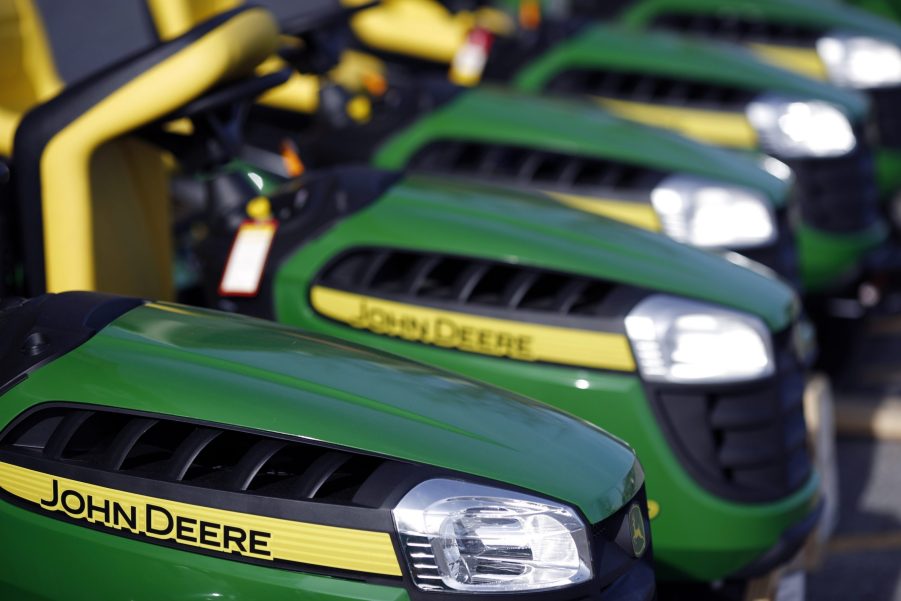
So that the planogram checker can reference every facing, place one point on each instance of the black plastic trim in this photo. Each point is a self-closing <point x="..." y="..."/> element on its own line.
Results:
<point x="615" y="301"/>
<point x="37" y="331"/>
<point x="839" y="194"/>
<point x="782" y="255"/>
<point x="730" y="25"/>
<point x="653" y="88"/>
<point x="789" y="543"/>
<point x="527" y="167"/>
<point x="746" y="442"/>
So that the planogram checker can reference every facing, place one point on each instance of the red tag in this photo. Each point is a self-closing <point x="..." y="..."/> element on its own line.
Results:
<point x="247" y="258"/>
<point x="469" y="61"/>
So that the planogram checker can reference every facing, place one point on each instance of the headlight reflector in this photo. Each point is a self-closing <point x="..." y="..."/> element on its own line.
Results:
<point x="683" y="341"/>
<point x="859" y="61"/>
<point x="796" y="129"/>
<point x="711" y="215"/>
<point x="466" y="537"/>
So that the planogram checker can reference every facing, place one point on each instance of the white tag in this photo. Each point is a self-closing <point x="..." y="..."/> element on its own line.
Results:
<point x="469" y="61"/>
<point x="247" y="259"/>
<point x="792" y="587"/>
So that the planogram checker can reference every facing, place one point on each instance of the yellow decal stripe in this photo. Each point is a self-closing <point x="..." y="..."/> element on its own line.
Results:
<point x="805" y="61"/>
<point x="476" y="334"/>
<point x="207" y="528"/>
<point x="722" y="128"/>
<point x="634" y="213"/>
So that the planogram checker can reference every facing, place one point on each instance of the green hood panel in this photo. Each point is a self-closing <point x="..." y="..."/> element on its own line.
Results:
<point x="431" y="214"/>
<point x="493" y="114"/>
<point x="251" y="373"/>
<point x="603" y="46"/>
<point x="829" y="16"/>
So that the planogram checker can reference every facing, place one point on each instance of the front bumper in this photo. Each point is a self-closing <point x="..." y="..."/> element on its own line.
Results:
<point x="54" y="560"/>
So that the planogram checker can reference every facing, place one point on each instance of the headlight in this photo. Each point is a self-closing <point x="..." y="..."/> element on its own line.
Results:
<point x="707" y="214"/>
<point x="795" y="129"/>
<point x="859" y="61"/>
<point x="683" y="341"/>
<point x="472" y="538"/>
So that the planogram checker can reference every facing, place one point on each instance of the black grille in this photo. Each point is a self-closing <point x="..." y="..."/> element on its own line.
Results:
<point x="470" y="284"/>
<point x="838" y="194"/>
<point x="534" y="168"/>
<point x="885" y="103"/>
<point x="735" y="28"/>
<point x="650" y="88"/>
<point x="746" y="442"/>
<point x="781" y="256"/>
<point x="213" y="458"/>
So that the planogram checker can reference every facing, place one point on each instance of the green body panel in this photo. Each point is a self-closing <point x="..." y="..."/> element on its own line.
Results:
<point x="834" y="259"/>
<point x="257" y="374"/>
<point x="696" y="534"/>
<point x="639" y="51"/>
<point x="883" y="8"/>
<point x="888" y="170"/>
<point x="113" y="567"/>
<point x="827" y="15"/>
<point x="506" y="116"/>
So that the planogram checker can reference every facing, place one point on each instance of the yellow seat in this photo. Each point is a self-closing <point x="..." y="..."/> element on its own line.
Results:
<point x="93" y="204"/>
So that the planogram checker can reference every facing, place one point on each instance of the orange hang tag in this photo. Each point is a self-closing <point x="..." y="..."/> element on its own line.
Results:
<point x="530" y="14"/>
<point x="247" y="258"/>
<point x="291" y="158"/>
<point x="469" y="61"/>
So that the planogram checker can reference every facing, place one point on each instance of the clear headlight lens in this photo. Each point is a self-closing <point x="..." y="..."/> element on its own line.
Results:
<point x="466" y="537"/>
<point x="683" y="341"/>
<point x="710" y="215"/>
<point x="794" y="128"/>
<point x="860" y="61"/>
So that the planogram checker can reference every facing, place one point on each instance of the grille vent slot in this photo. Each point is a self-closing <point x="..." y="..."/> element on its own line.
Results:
<point x="423" y="565"/>
<point x="734" y="28"/>
<point x="650" y="88"/>
<point x="526" y="167"/>
<point x="475" y="283"/>
<point x="199" y="455"/>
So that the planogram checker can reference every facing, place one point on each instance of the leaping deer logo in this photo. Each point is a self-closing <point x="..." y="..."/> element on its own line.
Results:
<point x="636" y="522"/>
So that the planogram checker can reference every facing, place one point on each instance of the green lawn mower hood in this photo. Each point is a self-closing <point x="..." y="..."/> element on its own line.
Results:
<point x="528" y="294"/>
<point x="595" y="162"/>
<point x="501" y="115"/>
<point x="828" y="41"/>
<point x="718" y="95"/>
<point x="263" y="462"/>
<point x="515" y="227"/>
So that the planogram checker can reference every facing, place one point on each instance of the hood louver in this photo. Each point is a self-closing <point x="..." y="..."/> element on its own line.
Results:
<point x="530" y="168"/>
<point x="203" y="456"/>
<point x="650" y="88"/>
<point x="733" y="28"/>
<point x="472" y="284"/>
